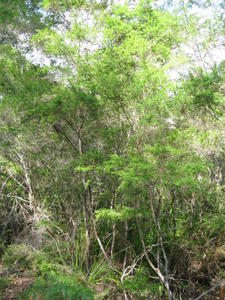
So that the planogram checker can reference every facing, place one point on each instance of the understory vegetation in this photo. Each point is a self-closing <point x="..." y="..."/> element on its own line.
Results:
<point x="112" y="150"/>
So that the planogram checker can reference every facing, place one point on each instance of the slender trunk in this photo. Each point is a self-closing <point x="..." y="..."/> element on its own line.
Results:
<point x="60" y="130"/>
<point x="85" y="213"/>
<point x="113" y="240"/>
<point x="113" y="227"/>
<point x="85" y="191"/>
<point x="31" y="198"/>
<point x="160" y="238"/>
<point x="125" y="255"/>
<point x="222" y="292"/>
<point x="108" y="260"/>
<point x="162" y="278"/>
<point x="87" y="235"/>
<point x="173" y="213"/>
<point x="192" y="209"/>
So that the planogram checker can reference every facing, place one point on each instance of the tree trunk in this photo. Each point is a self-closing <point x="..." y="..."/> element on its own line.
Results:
<point x="113" y="227"/>
<point x="108" y="260"/>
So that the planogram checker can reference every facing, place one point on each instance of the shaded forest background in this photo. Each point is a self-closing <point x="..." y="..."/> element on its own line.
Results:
<point x="112" y="165"/>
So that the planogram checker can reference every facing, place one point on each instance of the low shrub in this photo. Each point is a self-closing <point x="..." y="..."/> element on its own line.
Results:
<point x="57" y="287"/>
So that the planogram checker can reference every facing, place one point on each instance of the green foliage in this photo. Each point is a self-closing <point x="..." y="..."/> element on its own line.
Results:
<point x="59" y="5"/>
<point x="132" y="30"/>
<point x="4" y="282"/>
<point x="100" y="272"/>
<point x="51" y="226"/>
<point x="214" y="225"/>
<point x="23" y="85"/>
<point x="103" y="153"/>
<point x="140" y="285"/>
<point x="21" y="17"/>
<point x="55" y="286"/>
<point x="18" y="257"/>
<point x="204" y="88"/>
<point x="2" y="247"/>
<point x="53" y="279"/>
<point x="52" y="42"/>
<point x="11" y="11"/>
<point x="115" y="215"/>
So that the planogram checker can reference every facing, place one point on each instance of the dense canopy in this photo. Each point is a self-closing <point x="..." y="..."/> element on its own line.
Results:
<point x="112" y="165"/>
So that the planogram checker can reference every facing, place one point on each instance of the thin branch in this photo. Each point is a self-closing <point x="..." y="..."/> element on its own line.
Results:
<point x="213" y="288"/>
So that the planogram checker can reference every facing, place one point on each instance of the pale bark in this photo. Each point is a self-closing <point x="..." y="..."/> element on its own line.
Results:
<point x="113" y="227"/>
<point x="85" y="212"/>
<point x="107" y="258"/>
<point x="162" y="278"/>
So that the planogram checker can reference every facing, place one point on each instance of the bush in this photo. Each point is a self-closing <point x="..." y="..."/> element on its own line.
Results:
<point x="4" y="282"/>
<point x="57" y="287"/>
<point x="18" y="257"/>
<point x="140" y="286"/>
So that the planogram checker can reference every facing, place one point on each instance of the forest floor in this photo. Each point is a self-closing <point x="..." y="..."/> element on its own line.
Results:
<point x="14" y="285"/>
